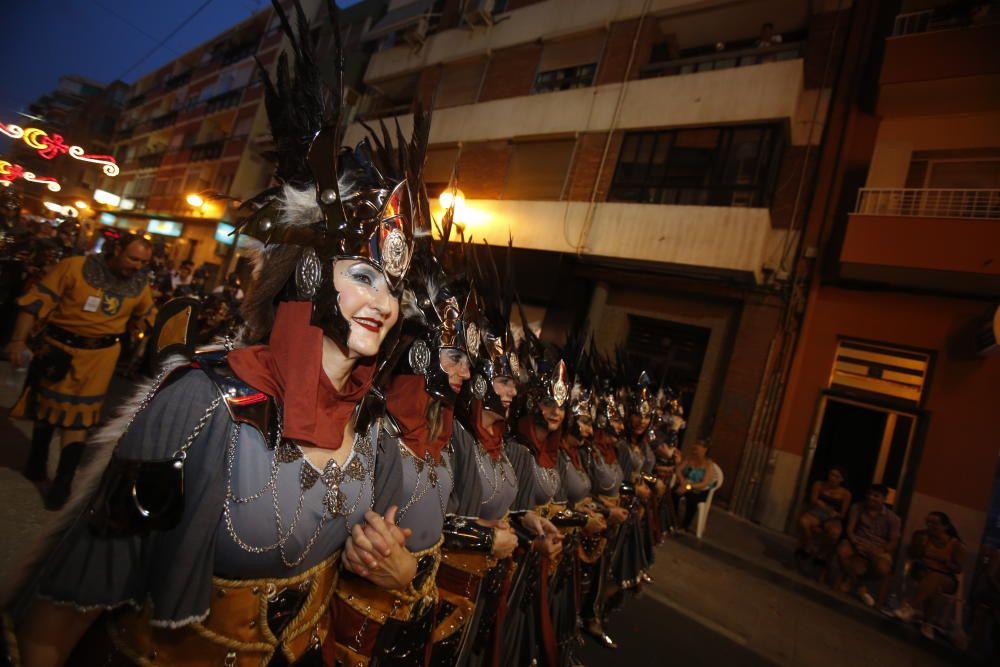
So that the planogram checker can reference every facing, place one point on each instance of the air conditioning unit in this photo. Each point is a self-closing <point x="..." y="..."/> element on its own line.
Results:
<point x="416" y="35"/>
<point x="479" y="12"/>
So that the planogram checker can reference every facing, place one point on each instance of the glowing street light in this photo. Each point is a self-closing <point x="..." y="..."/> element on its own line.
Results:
<point x="81" y="204"/>
<point x="195" y="200"/>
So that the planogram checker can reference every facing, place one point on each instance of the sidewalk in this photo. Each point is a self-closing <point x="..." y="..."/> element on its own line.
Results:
<point x="736" y="579"/>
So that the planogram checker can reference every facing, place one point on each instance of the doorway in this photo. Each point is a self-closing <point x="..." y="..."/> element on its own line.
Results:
<point x="871" y="442"/>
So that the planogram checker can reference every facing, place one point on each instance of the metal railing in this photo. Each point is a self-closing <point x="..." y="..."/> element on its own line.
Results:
<point x="722" y="60"/>
<point x="930" y="203"/>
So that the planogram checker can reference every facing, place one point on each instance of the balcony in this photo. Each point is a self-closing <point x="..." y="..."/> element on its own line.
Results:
<point x="135" y="100"/>
<point x="164" y="120"/>
<point x="722" y="60"/>
<point x="238" y="53"/>
<point x="209" y="150"/>
<point x="941" y="71"/>
<point x="223" y="101"/>
<point x="151" y="160"/>
<point x="178" y="80"/>
<point x="947" y="240"/>
<point x="738" y="95"/>
<point x="733" y="242"/>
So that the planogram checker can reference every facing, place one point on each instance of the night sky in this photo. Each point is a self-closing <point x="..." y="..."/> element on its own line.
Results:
<point x="102" y="40"/>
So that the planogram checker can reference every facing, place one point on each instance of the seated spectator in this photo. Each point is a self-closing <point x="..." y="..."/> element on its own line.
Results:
<point x="937" y="555"/>
<point x="695" y="478"/>
<point x="821" y="526"/>
<point x="872" y="538"/>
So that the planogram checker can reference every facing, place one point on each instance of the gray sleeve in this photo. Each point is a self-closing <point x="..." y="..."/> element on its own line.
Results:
<point x="171" y="568"/>
<point x="389" y="489"/>
<point x="521" y="460"/>
<point x="467" y="491"/>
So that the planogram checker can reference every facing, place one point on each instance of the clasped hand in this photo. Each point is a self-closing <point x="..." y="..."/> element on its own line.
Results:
<point x="376" y="550"/>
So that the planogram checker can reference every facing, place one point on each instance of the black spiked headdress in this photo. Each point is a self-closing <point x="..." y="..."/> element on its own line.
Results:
<point x="331" y="202"/>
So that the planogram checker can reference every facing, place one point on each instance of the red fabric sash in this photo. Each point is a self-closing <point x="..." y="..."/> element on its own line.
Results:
<point x="546" y="451"/>
<point x="407" y="401"/>
<point x="490" y="439"/>
<point x="571" y="446"/>
<point x="290" y="369"/>
<point x="607" y="445"/>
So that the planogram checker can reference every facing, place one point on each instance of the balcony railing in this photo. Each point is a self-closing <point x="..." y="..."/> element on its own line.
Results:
<point x="930" y="203"/>
<point x="946" y="17"/>
<point x="722" y="60"/>
<point x="164" y="120"/>
<point x="209" y="150"/>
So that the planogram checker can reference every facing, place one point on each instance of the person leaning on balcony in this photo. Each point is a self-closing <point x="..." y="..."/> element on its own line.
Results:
<point x="872" y="537"/>
<point x="937" y="555"/>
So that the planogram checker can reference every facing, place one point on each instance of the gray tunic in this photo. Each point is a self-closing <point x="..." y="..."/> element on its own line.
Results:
<point x="420" y="490"/>
<point x="575" y="482"/>
<point x="605" y="477"/>
<point x="249" y="545"/>
<point x="483" y="487"/>
<point x="536" y="485"/>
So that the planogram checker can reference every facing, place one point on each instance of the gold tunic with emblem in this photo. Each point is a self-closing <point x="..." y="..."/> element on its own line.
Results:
<point x="83" y="296"/>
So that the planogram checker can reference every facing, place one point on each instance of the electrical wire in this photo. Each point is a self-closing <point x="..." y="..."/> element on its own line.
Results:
<point x="163" y="41"/>
<point x="129" y="23"/>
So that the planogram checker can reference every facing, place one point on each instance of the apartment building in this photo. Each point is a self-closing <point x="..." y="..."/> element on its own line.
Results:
<point x="895" y="375"/>
<point x="652" y="160"/>
<point x="198" y="125"/>
<point x="84" y="113"/>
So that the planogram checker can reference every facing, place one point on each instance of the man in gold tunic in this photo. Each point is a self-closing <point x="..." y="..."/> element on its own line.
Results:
<point x="85" y="304"/>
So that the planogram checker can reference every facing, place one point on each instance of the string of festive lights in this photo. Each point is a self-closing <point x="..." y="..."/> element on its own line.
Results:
<point x="10" y="172"/>
<point x="49" y="146"/>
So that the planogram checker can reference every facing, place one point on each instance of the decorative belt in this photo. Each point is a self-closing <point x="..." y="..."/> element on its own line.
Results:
<point x="65" y="337"/>
<point x="459" y="581"/>
<point x="248" y="623"/>
<point x="361" y="609"/>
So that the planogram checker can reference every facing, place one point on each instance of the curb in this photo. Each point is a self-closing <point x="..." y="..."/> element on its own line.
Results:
<point x="837" y="602"/>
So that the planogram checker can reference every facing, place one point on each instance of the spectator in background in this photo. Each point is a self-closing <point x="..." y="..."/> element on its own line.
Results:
<point x="181" y="278"/>
<point x="86" y="304"/>
<point x="937" y="556"/>
<point x="230" y="290"/>
<point x="821" y="526"/>
<point x="767" y="37"/>
<point x="872" y="538"/>
<point x="695" y="478"/>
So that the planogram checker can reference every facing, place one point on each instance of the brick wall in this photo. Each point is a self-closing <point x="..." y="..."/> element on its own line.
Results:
<point x="618" y="47"/>
<point x="744" y="375"/>
<point x="511" y="72"/>
<point x="427" y="83"/>
<point x="482" y="167"/>
<point x="586" y="163"/>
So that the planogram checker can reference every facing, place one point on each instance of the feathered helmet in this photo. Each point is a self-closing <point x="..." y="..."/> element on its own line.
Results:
<point x="581" y="396"/>
<point x="442" y="315"/>
<point x="331" y="202"/>
<point x="544" y="373"/>
<point x="607" y="406"/>
<point x="491" y="343"/>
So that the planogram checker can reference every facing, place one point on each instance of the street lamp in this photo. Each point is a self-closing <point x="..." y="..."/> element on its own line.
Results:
<point x="81" y="204"/>
<point x="195" y="200"/>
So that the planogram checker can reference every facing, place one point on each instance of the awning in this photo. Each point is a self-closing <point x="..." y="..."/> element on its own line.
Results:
<point x="399" y="18"/>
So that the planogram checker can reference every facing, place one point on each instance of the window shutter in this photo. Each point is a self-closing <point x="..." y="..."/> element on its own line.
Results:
<point x="538" y="169"/>
<point x="572" y="52"/>
<point x="460" y="83"/>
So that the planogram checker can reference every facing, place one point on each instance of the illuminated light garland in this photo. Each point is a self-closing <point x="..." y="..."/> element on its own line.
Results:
<point x="110" y="167"/>
<point x="11" y="172"/>
<point x="50" y="146"/>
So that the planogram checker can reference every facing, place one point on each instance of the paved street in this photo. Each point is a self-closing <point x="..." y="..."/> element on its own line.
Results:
<point x="700" y="610"/>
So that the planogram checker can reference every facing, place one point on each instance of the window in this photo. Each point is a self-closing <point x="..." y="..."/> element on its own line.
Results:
<point x="537" y="170"/>
<point x="955" y="169"/>
<point x="728" y="166"/>
<point x="569" y="63"/>
<point x="567" y="78"/>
